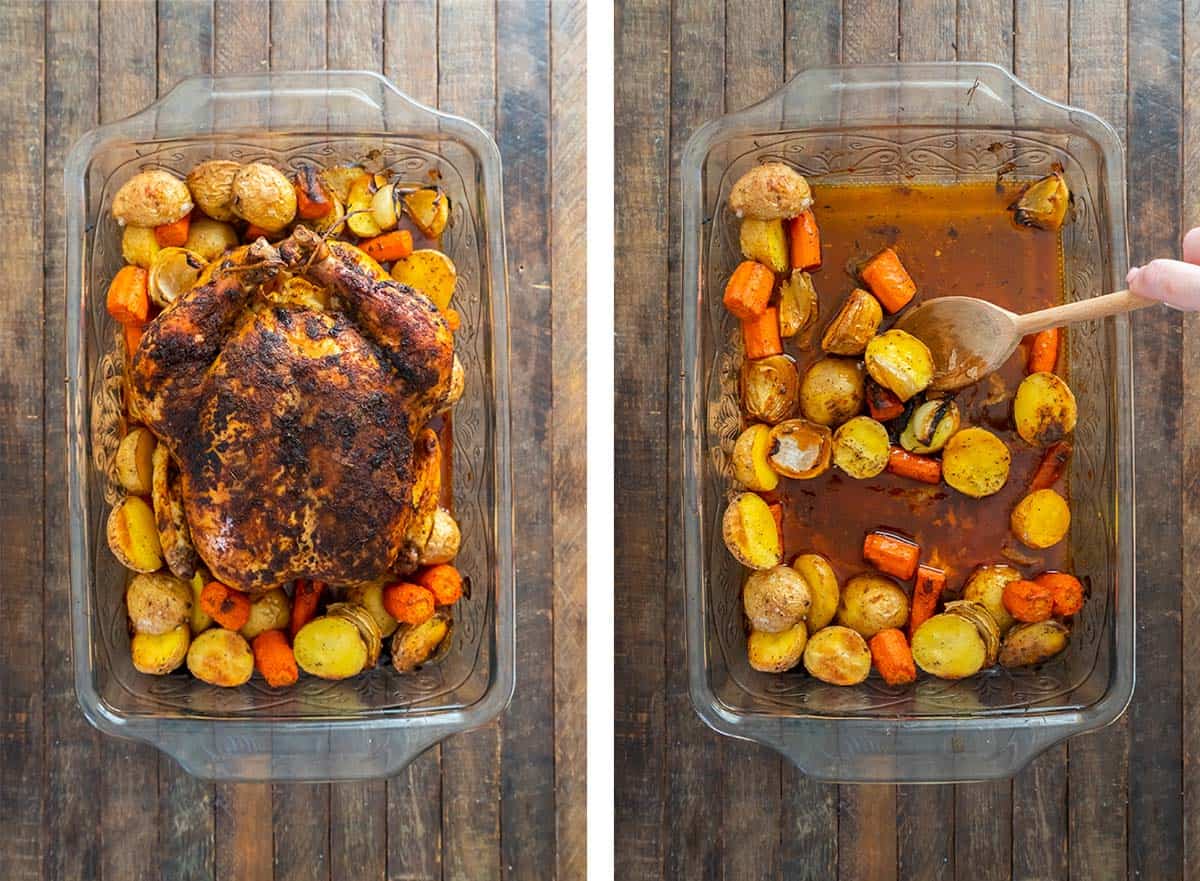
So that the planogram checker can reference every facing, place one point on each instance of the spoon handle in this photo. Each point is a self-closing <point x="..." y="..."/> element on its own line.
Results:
<point x="1081" y="310"/>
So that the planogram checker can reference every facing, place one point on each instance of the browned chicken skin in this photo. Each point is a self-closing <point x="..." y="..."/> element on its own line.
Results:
<point x="294" y="427"/>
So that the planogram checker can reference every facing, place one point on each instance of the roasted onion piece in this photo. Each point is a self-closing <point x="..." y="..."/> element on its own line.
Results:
<point x="770" y="388"/>
<point x="854" y="325"/>
<point x="1044" y="203"/>
<point x="932" y="424"/>
<point x="979" y="615"/>
<point x="797" y="304"/>
<point x="800" y="449"/>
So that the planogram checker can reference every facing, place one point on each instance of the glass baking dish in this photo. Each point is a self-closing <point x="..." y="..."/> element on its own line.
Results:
<point x="374" y="724"/>
<point x="928" y="123"/>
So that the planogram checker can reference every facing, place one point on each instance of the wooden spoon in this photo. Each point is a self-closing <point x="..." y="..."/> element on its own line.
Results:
<point x="970" y="338"/>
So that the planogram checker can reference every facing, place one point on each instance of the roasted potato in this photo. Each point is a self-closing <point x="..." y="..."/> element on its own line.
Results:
<point x="986" y="586"/>
<point x="797" y="304"/>
<point x="931" y="426"/>
<point x="989" y="630"/>
<point x="359" y="216"/>
<point x="861" y="447"/>
<point x="134" y="461"/>
<point x="837" y="655"/>
<point x="975" y="462"/>
<point x="1043" y="203"/>
<point x="444" y="540"/>
<point x="430" y="272"/>
<point x="770" y="388"/>
<point x="777" y="652"/>
<point x="151" y="198"/>
<point x="766" y="242"/>
<point x="211" y="185"/>
<point x="854" y="326"/>
<point x="174" y="272"/>
<point x="133" y="536"/>
<point x="799" y="449"/>
<point x="1028" y="644"/>
<point x="158" y="603"/>
<point x="221" y="657"/>
<point x="199" y="620"/>
<point x="270" y="611"/>
<point x="949" y="647"/>
<point x="139" y="246"/>
<point x="333" y="219"/>
<point x="770" y="192"/>
<point x="900" y="362"/>
<point x="263" y="196"/>
<point x="1044" y="409"/>
<point x="871" y="603"/>
<point x="174" y="534"/>
<point x="340" y="178"/>
<point x="160" y="653"/>
<point x="429" y="208"/>
<point x="1041" y="519"/>
<point x="330" y="648"/>
<point x="832" y="391"/>
<point x="750" y="533"/>
<point x="210" y="238"/>
<point x="370" y="597"/>
<point x="776" y="599"/>
<point x="751" y="467"/>
<point x="822" y="587"/>
<point x="363" y="621"/>
<point x="416" y="644"/>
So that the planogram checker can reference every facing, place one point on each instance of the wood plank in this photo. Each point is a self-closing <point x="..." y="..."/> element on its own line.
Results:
<point x="927" y="30"/>
<point x="985" y="31"/>
<point x="568" y="273"/>
<point x="243" y="818"/>
<point x="470" y="762"/>
<point x="642" y="31"/>
<point x="1155" y="759"/>
<point x="870" y="31"/>
<point x="72" y="773"/>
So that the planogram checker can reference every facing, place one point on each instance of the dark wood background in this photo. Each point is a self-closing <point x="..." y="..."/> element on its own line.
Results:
<point x="1114" y="804"/>
<point x="503" y="802"/>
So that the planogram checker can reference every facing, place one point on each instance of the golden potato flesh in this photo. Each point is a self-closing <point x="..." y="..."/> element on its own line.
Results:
<point x="430" y="272"/>
<point x="900" y="362"/>
<point x="271" y="611"/>
<point x="1044" y="203"/>
<point x="1028" y="644"/>
<point x="799" y="449"/>
<point x="157" y="602"/>
<point x="871" y="603"/>
<point x="822" y="586"/>
<point x="134" y="461"/>
<point x="777" y="652"/>
<point x="1042" y="519"/>
<point x="949" y="647"/>
<point x="776" y="599"/>
<point x="797" y="304"/>
<point x="160" y="653"/>
<point x="931" y="426"/>
<point x="766" y="242"/>
<point x="263" y="196"/>
<point x="861" y="448"/>
<point x="211" y="185"/>
<point x="832" y="391"/>
<point x="837" y="655"/>
<point x="133" y="535"/>
<point x="210" y="238"/>
<point x="415" y="644"/>
<point x="984" y="622"/>
<point x="370" y="597"/>
<point x="221" y="657"/>
<point x="750" y="533"/>
<point x="199" y="620"/>
<point x="360" y="218"/>
<point x="986" y="586"/>
<point x="331" y="648"/>
<point x="750" y="465"/>
<point x="429" y="208"/>
<point x="1044" y="409"/>
<point x="854" y="326"/>
<point x="151" y="198"/>
<point x="770" y="388"/>
<point x="139" y="246"/>
<point x="443" y="542"/>
<point x="770" y="192"/>
<point x="976" y="462"/>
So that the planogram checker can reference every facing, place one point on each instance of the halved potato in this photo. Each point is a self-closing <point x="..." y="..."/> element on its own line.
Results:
<point x="777" y="652"/>
<point x="210" y="238"/>
<point x="766" y="242"/>
<point x="949" y="647"/>
<point x="1042" y="519"/>
<point x="359" y="217"/>
<point x="985" y="622"/>
<point x="173" y="273"/>
<point x="429" y="208"/>
<point x="799" y="449"/>
<point x="770" y="191"/>
<point x="931" y="426"/>
<point x="871" y="603"/>
<point x="854" y="326"/>
<point x="986" y="585"/>
<point x="160" y="653"/>
<point x="133" y="535"/>
<point x="430" y="272"/>
<point x="1043" y="203"/>
<point x="837" y="655"/>
<point x="211" y="185"/>
<point x="861" y="448"/>
<point x="365" y="623"/>
<point x="151" y="198"/>
<point x="1044" y="409"/>
<point x="770" y="388"/>
<point x="262" y="195"/>
<point x="330" y="648"/>
<point x="417" y="644"/>
<point x="444" y="540"/>
<point x="832" y="391"/>
<point x="157" y="603"/>
<point x="370" y="597"/>
<point x="750" y="533"/>
<point x="797" y="304"/>
<point x="776" y="599"/>
<point x="221" y="657"/>
<point x="749" y="459"/>
<point x="134" y="461"/>
<point x="1028" y="644"/>
<point x="139" y="246"/>
<point x="270" y="611"/>
<point x="976" y="462"/>
<point x="822" y="585"/>
<point x="340" y="178"/>
<point x="900" y="362"/>
<point x="199" y="620"/>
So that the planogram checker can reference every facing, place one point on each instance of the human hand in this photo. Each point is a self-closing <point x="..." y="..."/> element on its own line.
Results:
<point x="1174" y="282"/>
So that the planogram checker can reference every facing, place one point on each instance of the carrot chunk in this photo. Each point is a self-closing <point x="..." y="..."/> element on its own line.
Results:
<point x="1043" y="351"/>
<point x="761" y="335"/>
<point x="749" y="290"/>
<point x="453" y="319"/>
<point x="1054" y="462"/>
<point x="312" y="199"/>
<point x="133" y="336"/>
<point x="409" y="603"/>
<point x="892" y="656"/>
<point x="1028" y="601"/>
<point x="305" y="598"/>
<point x="805" y="242"/>
<point x="390" y="246"/>
<point x="889" y="280"/>
<point x="1067" y="592"/>
<point x="228" y="607"/>
<point x="129" y="295"/>
<point x="927" y="590"/>
<point x="882" y="402"/>
<point x="913" y="466"/>
<point x="274" y="659"/>
<point x="891" y="554"/>
<point x="443" y="581"/>
<point x="173" y="235"/>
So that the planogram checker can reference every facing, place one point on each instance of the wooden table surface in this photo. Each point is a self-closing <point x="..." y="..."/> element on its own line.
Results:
<point x="503" y="802"/>
<point x="1114" y="804"/>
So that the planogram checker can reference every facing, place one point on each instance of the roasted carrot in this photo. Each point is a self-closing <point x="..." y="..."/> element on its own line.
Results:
<point x="891" y="554"/>
<point x="1066" y="590"/>
<point x="173" y="235"/>
<point x="1028" y="601"/>
<point x="305" y="598"/>
<point x="254" y="233"/>
<point x="749" y="290"/>
<point x="312" y="199"/>
<point x="129" y="295"/>
<point x="1054" y="462"/>
<point x="133" y="336"/>
<point x="777" y="513"/>
<point x="408" y="603"/>
<point x="805" y="242"/>
<point x="273" y="658"/>
<point x="453" y="320"/>
<point x="761" y="334"/>
<point x="443" y="581"/>
<point x="390" y="246"/>
<point x="914" y="467"/>
<point x="1043" y="351"/>
<point x="892" y="656"/>
<point x="228" y="607"/>
<point x="882" y="403"/>
<point x="888" y="280"/>
<point x="927" y="590"/>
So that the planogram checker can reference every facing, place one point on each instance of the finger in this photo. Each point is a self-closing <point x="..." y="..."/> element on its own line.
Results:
<point x="1171" y="281"/>
<point x="1191" y="246"/>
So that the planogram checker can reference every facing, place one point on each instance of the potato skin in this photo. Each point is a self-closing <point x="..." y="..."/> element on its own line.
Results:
<point x="151" y="198"/>
<point x="900" y="362"/>
<point x="986" y="586"/>
<point x="776" y="599"/>
<point x="370" y="597"/>
<point x="822" y="586"/>
<point x="210" y="238"/>
<point x="263" y="196"/>
<point x="1028" y="644"/>
<point x="854" y="325"/>
<point x="139" y="246"/>
<point x="949" y="647"/>
<point x="211" y="185"/>
<point x="838" y="655"/>
<point x="158" y="654"/>
<point x="134" y="461"/>
<point x="832" y="391"/>
<point x="271" y="611"/>
<point x="157" y="603"/>
<point x="870" y="603"/>
<point x="1044" y="409"/>
<point x="769" y="192"/>
<point x="330" y="648"/>
<point x="221" y="657"/>
<point x="444" y="540"/>
<point x="777" y="652"/>
<point x="975" y="462"/>
<point x="1042" y="519"/>
<point x="749" y="459"/>
<point x="766" y="242"/>
<point x="414" y="644"/>
<point x="133" y="535"/>
<point x="750" y="533"/>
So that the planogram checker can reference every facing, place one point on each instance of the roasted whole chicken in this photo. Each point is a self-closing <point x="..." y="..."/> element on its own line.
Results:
<point x="299" y="432"/>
